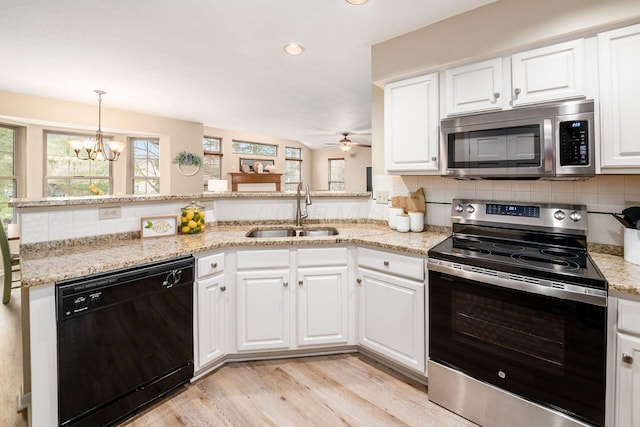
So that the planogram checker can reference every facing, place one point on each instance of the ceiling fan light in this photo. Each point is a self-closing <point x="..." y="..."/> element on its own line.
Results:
<point x="345" y="147"/>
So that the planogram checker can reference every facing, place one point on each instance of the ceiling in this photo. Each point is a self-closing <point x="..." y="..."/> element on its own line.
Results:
<point x="217" y="62"/>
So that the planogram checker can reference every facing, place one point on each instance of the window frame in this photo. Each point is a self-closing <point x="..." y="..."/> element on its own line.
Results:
<point x="132" y="156"/>
<point x="16" y="177"/>
<point x="212" y="154"/>
<point x="253" y="153"/>
<point x="289" y="185"/>
<point x="46" y="177"/>
<point x="330" y="160"/>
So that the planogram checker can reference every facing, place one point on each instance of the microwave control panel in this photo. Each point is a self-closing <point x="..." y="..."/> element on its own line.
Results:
<point x="574" y="143"/>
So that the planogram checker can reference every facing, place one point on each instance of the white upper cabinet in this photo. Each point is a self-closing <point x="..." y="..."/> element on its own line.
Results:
<point x="619" y="57"/>
<point x="549" y="73"/>
<point x="474" y="87"/>
<point x="546" y="74"/>
<point x="411" y="123"/>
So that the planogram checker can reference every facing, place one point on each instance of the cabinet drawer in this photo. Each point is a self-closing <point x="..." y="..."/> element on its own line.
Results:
<point x="629" y="316"/>
<point x="387" y="262"/>
<point x="320" y="257"/>
<point x="210" y="264"/>
<point x="276" y="258"/>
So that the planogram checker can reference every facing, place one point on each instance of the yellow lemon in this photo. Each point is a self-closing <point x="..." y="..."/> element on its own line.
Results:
<point x="193" y="224"/>
<point x="185" y="229"/>
<point x="189" y="214"/>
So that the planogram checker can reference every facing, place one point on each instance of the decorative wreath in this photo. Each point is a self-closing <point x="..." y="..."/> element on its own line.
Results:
<point x="190" y="159"/>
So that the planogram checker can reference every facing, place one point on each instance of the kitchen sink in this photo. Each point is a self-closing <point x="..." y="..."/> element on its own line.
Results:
<point x="328" y="231"/>
<point x="292" y="232"/>
<point x="276" y="232"/>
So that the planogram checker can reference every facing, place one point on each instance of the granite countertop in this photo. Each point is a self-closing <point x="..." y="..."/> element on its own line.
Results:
<point x="52" y="264"/>
<point x="66" y="262"/>
<point x="208" y="195"/>
<point x="623" y="277"/>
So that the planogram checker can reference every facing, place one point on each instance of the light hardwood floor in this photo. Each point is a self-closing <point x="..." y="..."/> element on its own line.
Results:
<point x="10" y="362"/>
<point x="315" y="391"/>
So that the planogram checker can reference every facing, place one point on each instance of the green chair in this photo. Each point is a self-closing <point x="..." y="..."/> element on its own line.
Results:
<point x="9" y="260"/>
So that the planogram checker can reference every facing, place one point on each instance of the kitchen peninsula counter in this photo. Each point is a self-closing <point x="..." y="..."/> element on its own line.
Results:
<point x="53" y="261"/>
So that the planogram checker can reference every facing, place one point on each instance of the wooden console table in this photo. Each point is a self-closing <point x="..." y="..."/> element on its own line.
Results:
<point x="254" y="178"/>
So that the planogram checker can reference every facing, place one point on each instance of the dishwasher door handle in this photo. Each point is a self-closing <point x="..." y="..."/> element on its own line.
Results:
<point x="173" y="278"/>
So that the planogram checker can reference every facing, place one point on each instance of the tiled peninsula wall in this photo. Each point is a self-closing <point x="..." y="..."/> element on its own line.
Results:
<point x="47" y="223"/>
<point x="602" y="195"/>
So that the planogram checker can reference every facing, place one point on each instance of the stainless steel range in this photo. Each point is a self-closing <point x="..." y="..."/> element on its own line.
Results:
<point x="517" y="317"/>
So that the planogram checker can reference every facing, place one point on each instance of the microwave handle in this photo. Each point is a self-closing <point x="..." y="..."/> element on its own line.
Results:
<point x="548" y="145"/>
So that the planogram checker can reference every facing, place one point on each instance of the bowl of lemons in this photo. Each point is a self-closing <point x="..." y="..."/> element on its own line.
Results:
<point x="192" y="219"/>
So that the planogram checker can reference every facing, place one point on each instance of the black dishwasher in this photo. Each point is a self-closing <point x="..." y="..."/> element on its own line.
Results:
<point x="125" y="339"/>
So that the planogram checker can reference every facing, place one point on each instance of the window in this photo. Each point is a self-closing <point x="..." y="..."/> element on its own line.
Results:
<point x="146" y="165"/>
<point x="255" y="148"/>
<point x="212" y="161"/>
<point x="8" y="175"/>
<point x="336" y="174"/>
<point x="292" y="168"/>
<point x="66" y="175"/>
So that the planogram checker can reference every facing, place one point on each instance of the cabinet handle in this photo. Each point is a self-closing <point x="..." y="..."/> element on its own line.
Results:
<point x="627" y="359"/>
<point x="300" y="282"/>
<point x="285" y="284"/>
<point x="496" y="95"/>
<point x="214" y="265"/>
<point x="359" y="281"/>
<point x="517" y="91"/>
<point x="223" y="288"/>
<point x="386" y="263"/>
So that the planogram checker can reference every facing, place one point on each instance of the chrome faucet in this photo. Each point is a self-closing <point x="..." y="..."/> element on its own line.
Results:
<point x="307" y="201"/>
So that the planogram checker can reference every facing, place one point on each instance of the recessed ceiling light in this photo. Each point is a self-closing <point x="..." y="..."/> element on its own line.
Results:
<point x="356" y="2"/>
<point x="293" y="49"/>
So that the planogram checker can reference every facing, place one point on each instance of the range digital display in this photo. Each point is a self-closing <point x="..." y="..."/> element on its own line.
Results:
<point x="513" y="210"/>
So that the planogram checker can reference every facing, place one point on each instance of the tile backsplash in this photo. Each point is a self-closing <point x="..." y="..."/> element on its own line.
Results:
<point x="602" y="195"/>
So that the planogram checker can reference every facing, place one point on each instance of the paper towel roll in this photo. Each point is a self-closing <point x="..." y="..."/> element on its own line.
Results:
<point x="217" y="185"/>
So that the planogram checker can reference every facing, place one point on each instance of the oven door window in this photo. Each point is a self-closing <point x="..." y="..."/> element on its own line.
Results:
<point x="495" y="148"/>
<point x="544" y="349"/>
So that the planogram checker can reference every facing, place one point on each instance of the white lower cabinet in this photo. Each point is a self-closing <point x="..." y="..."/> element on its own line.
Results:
<point x="628" y="381"/>
<point x="392" y="317"/>
<point x="212" y="320"/>
<point x="627" y="399"/>
<point x="323" y="309"/>
<point x="263" y="310"/>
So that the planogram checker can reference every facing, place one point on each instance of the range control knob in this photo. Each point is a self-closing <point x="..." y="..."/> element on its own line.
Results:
<point x="559" y="215"/>
<point x="575" y="216"/>
<point x="470" y="209"/>
<point x="459" y="208"/>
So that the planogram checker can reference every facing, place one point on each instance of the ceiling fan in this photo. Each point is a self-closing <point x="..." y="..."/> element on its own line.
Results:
<point x="345" y="144"/>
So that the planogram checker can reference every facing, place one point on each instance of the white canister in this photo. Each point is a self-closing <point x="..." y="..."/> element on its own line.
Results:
<point x="632" y="245"/>
<point x="417" y="221"/>
<point x="403" y="223"/>
<point x="393" y="213"/>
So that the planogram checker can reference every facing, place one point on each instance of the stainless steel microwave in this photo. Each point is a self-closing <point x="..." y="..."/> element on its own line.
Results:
<point x="554" y="140"/>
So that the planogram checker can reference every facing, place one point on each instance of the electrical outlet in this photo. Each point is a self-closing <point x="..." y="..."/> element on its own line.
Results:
<point x="208" y="205"/>
<point x="110" y="213"/>
<point x="382" y="197"/>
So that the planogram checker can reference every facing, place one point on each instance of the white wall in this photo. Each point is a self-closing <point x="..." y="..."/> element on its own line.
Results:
<point x="356" y="162"/>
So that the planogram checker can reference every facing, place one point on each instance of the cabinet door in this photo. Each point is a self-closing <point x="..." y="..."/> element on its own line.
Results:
<point x="411" y="123"/>
<point x="619" y="56"/>
<point x="549" y="73"/>
<point x="323" y="310"/>
<point x="628" y="381"/>
<point x="392" y="318"/>
<point x="212" y="320"/>
<point x="474" y="87"/>
<point x="263" y="309"/>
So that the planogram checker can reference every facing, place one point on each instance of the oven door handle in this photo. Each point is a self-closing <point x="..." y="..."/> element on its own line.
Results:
<point x="532" y="285"/>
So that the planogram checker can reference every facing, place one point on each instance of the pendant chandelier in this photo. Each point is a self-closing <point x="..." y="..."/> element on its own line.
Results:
<point x="99" y="149"/>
